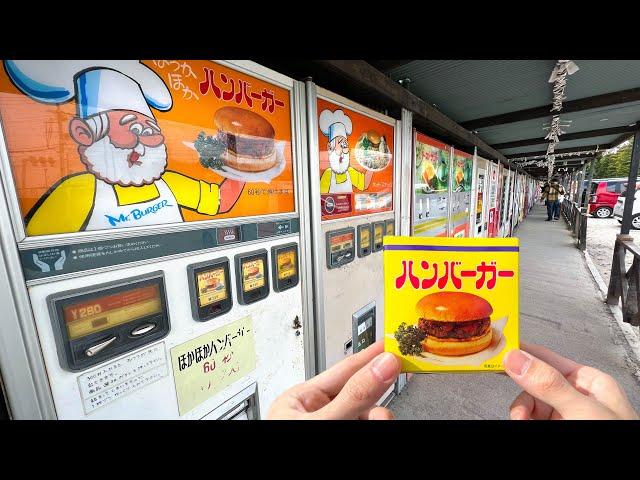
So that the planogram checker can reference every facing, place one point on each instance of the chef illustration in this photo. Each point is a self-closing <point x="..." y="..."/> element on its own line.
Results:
<point x="340" y="177"/>
<point x="121" y="145"/>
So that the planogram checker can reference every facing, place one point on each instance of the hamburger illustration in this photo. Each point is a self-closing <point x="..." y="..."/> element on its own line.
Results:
<point x="372" y="151"/>
<point x="455" y="323"/>
<point x="244" y="142"/>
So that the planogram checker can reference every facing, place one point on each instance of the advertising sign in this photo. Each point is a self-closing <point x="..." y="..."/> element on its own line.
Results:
<point x="451" y="304"/>
<point x="430" y="187"/>
<point x="356" y="162"/>
<point x="211" y="362"/>
<point x="102" y="144"/>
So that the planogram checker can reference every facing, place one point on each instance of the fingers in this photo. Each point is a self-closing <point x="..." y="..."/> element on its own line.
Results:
<point x="543" y="382"/>
<point x="332" y="380"/>
<point x="526" y="407"/>
<point x="377" y="413"/>
<point x="560" y="363"/>
<point x="363" y="389"/>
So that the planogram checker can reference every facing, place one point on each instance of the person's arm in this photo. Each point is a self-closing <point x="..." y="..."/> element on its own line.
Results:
<point x="325" y="181"/>
<point x="66" y="208"/>
<point x="194" y="194"/>
<point x="358" y="179"/>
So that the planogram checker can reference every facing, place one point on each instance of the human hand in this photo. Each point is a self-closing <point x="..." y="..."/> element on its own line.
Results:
<point x="557" y="388"/>
<point x="347" y="391"/>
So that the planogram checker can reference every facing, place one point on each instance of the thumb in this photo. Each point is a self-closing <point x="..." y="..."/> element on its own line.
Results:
<point x="363" y="389"/>
<point x="543" y="382"/>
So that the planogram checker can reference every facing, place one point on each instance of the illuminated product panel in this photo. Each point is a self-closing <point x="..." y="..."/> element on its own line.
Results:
<point x="252" y="276"/>
<point x="378" y="234"/>
<point x="285" y="266"/>
<point x="94" y="324"/>
<point x="210" y="289"/>
<point x="364" y="240"/>
<point x="340" y="247"/>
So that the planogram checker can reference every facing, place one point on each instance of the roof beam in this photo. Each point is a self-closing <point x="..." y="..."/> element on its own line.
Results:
<point x="560" y="150"/>
<point x="604" y="100"/>
<point x="373" y="79"/>
<point x="568" y="136"/>
<point x="386" y="65"/>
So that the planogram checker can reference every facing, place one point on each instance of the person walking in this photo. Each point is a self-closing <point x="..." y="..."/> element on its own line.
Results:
<point x="551" y="194"/>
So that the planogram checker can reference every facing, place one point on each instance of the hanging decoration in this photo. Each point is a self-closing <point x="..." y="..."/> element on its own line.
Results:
<point x="559" y="79"/>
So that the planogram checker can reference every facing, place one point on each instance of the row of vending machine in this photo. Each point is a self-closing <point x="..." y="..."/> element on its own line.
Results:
<point x="188" y="239"/>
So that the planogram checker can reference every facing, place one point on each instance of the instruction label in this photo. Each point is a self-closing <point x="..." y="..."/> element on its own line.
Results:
<point x="122" y="377"/>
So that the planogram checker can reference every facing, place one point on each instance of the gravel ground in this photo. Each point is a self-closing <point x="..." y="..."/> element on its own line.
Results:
<point x="601" y="237"/>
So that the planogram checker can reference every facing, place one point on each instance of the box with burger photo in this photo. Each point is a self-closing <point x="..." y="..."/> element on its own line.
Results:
<point x="451" y="304"/>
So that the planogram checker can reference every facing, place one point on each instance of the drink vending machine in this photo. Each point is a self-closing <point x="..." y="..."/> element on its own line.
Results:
<point x="431" y="166"/>
<point x="493" y="201"/>
<point x="461" y="177"/>
<point x="354" y="156"/>
<point x="154" y="239"/>
<point x="481" y="212"/>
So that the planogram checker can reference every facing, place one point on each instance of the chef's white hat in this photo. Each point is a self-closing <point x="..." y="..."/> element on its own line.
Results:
<point x="335" y="124"/>
<point x="97" y="85"/>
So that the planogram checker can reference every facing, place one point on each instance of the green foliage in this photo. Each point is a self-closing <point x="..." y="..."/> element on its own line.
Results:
<point x="409" y="339"/>
<point x="614" y="164"/>
<point x="210" y="150"/>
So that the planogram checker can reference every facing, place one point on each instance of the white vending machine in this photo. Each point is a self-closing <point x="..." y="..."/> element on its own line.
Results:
<point x="354" y="157"/>
<point x="154" y="239"/>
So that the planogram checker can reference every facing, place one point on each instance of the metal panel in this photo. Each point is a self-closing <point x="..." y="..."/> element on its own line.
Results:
<point x="318" y="253"/>
<point x="306" y="235"/>
<point x="21" y="363"/>
<point x="405" y="174"/>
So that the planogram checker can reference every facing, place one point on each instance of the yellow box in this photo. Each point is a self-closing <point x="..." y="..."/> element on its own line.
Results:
<point x="450" y="304"/>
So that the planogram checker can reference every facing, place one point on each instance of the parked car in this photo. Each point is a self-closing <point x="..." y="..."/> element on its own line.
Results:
<point x="635" y="214"/>
<point x="604" y="194"/>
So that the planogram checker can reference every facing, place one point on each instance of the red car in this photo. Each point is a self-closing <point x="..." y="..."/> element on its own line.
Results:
<point x="604" y="194"/>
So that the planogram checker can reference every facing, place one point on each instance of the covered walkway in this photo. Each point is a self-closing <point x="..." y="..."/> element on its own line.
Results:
<point x="559" y="308"/>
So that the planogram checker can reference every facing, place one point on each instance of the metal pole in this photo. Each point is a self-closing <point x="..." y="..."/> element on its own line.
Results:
<point x="587" y="187"/>
<point x="579" y="184"/>
<point x="631" y="183"/>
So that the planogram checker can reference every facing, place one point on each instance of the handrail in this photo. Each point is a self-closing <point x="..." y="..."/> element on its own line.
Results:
<point x="624" y="285"/>
<point x="576" y="219"/>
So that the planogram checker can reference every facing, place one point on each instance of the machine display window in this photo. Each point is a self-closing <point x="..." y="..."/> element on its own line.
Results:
<point x="212" y="286"/>
<point x="102" y="313"/>
<point x="210" y="289"/>
<point x="378" y="233"/>
<point x="285" y="266"/>
<point x="340" y="247"/>
<point x="252" y="276"/>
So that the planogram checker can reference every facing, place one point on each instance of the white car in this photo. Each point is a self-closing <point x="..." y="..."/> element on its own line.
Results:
<point x="619" y="209"/>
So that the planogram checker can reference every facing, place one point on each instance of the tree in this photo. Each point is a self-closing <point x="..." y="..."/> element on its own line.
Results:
<point x="615" y="164"/>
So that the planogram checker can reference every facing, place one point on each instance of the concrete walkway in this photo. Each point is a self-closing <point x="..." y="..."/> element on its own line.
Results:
<point x="559" y="308"/>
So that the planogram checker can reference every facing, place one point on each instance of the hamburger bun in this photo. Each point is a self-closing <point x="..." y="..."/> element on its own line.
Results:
<point x="249" y="139"/>
<point x="374" y="137"/>
<point x="453" y="307"/>
<point x="454" y="347"/>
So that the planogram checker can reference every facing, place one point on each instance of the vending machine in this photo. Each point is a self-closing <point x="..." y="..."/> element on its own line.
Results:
<point x="481" y="212"/>
<point x="431" y="186"/>
<point x="505" y="200"/>
<point x="354" y="155"/>
<point x="493" y="201"/>
<point x="154" y="239"/>
<point x="460" y="200"/>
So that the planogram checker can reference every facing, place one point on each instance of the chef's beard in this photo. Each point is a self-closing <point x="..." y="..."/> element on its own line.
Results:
<point x="109" y="163"/>
<point x="334" y="162"/>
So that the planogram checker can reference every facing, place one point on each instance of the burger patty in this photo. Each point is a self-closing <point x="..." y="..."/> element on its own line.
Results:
<point x="458" y="330"/>
<point x="247" y="146"/>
